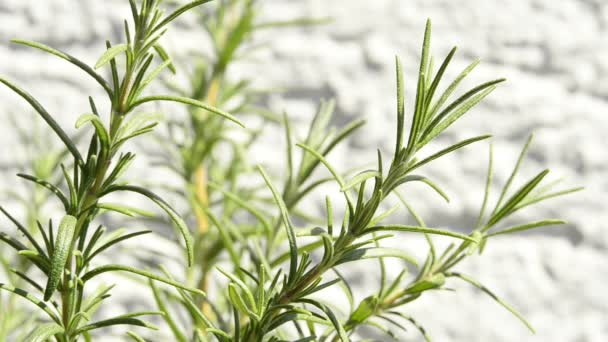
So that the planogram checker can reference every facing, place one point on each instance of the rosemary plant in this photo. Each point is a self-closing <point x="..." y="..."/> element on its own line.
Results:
<point x="251" y="277"/>
<point x="264" y="297"/>
<point x="42" y="161"/>
<point x="66" y="252"/>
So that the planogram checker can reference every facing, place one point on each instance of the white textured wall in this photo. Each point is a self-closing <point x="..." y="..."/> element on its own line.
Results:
<point x="555" y="55"/>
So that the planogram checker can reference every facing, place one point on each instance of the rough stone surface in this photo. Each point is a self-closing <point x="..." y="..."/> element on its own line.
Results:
<point x="554" y="54"/>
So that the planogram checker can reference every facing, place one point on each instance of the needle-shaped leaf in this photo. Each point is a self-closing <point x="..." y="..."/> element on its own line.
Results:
<point x="179" y="222"/>
<point x="435" y="83"/>
<point x="113" y="242"/>
<point x="187" y="101"/>
<point x="495" y="297"/>
<point x="125" y="210"/>
<point x="52" y="188"/>
<point x="100" y="130"/>
<point x="63" y="243"/>
<point x="162" y="306"/>
<point x="45" y="332"/>
<point x="110" y="54"/>
<point x="516" y="198"/>
<point x="332" y="317"/>
<point x="400" y="108"/>
<point x="120" y="268"/>
<point x="128" y="319"/>
<point x="320" y="157"/>
<point x="16" y="244"/>
<point x="376" y="252"/>
<point x="425" y="180"/>
<point x="448" y="150"/>
<point x="151" y="77"/>
<point x="181" y="10"/>
<point x="49" y="120"/>
<point x="162" y="53"/>
<point x="366" y="308"/>
<point x="451" y="88"/>
<point x="486" y="194"/>
<point x="419" y="112"/>
<point x="359" y="178"/>
<point x="68" y="58"/>
<point x="24" y="231"/>
<point x="527" y="226"/>
<point x="507" y="185"/>
<point x="32" y="299"/>
<point x="417" y="229"/>
<point x="135" y="337"/>
<point x="456" y="110"/>
<point x="415" y="323"/>
<point x="291" y="236"/>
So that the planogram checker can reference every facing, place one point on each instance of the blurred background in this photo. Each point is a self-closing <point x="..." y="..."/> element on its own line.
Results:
<point x="553" y="53"/>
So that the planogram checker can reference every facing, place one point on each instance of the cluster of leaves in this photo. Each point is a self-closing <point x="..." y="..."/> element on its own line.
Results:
<point x="269" y="281"/>
<point x="264" y="297"/>
<point x="64" y="254"/>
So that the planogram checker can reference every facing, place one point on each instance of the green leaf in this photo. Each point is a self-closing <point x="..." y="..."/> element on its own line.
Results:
<point x="419" y="113"/>
<point x="366" y="309"/>
<point x="52" y="188"/>
<point x="486" y="194"/>
<point x="32" y="299"/>
<point x="49" y="120"/>
<point x="112" y="242"/>
<point x="291" y="236"/>
<point x="135" y="337"/>
<point x="520" y="159"/>
<point x="101" y="131"/>
<point x="152" y="76"/>
<point x="451" y="88"/>
<point x="425" y="180"/>
<point x="162" y="53"/>
<point x="427" y="283"/>
<point x="68" y="58"/>
<point x="448" y="150"/>
<point x="187" y="101"/>
<point x="359" y="178"/>
<point x="160" y="302"/>
<point x="120" y="268"/>
<point x="417" y="229"/>
<point x="420" y="328"/>
<point x="376" y="252"/>
<point x="334" y="320"/>
<point x="45" y="332"/>
<point x="528" y="226"/>
<point x="25" y="232"/>
<point x="16" y="244"/>
<point x="322" y="159"/>
<point x="437" y="79"/>
<point x="128" y="319"/>
<point x="177" y="13"/>
<point x="516" y="198"/>
<point x="289" y="148"/>
<point x="179" y="222"/>
<point x="237" y="300"/>
<point x="110" y="54"/>
<point x="456" y="110"/>
<point x="495" y="297"/>
<point x="125" y="210"/>
<point x="63" y="243"/>
<point x="400" y="108"/>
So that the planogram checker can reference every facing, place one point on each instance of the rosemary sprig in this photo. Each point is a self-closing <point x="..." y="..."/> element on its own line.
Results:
<point x="66" y="255"/>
